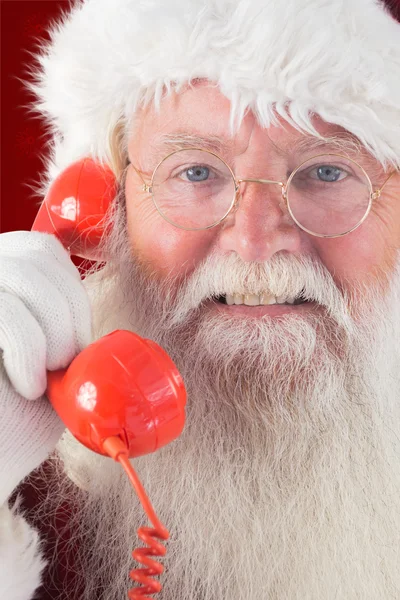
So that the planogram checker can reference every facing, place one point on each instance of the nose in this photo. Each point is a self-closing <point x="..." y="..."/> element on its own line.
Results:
<point x="259" y="225"/>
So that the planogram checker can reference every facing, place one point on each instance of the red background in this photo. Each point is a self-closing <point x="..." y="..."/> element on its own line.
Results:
<point x="23" y="24"/>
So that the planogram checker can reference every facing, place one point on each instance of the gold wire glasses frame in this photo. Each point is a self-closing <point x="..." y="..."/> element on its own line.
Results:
<point x="373" y="195"/>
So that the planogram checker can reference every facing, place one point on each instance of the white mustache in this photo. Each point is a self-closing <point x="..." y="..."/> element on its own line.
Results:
<point x="284" y="275"/>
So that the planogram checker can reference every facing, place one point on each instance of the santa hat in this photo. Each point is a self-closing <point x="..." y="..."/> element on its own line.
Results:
<point x="337" y="58"/>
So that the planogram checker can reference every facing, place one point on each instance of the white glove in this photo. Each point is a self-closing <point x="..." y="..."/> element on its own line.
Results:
<point x="45" y="321"/>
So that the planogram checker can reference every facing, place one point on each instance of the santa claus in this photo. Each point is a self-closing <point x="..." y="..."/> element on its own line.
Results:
<point x="255" y="236"/>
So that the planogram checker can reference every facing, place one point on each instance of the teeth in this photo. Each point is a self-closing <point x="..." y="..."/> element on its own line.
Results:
<point x="238" y="298"/>
<point x="266" y="299"/>
<point x="263" y="299"/>
<point x="251" y="300"/>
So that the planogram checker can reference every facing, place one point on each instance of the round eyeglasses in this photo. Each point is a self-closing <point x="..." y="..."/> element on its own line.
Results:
<point x="328" y="195"/>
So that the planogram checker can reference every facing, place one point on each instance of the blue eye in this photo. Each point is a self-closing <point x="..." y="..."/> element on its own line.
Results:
<point x="328" y="173"/>
<point x="197" y="173"/>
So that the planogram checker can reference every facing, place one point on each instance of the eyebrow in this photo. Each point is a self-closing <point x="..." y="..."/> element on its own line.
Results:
<point x="181" y="140"/>
<point x="343" y="142"/>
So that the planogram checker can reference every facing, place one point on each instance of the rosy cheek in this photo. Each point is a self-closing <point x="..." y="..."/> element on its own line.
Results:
<point x="165" y="248"/>
<point x="357" y="256"/>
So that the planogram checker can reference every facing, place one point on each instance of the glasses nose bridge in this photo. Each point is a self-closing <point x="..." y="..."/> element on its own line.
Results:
<point x="238" y="181"/>
<point x="253" y="180"/>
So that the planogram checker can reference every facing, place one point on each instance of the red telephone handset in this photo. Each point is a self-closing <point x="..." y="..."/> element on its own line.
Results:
<point x="122" y="396"/>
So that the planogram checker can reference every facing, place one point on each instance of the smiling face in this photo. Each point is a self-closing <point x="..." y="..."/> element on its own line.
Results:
<point x="261" y="227"/>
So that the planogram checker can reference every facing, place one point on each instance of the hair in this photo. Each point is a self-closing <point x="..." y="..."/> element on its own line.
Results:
<point x="117" y="148"/>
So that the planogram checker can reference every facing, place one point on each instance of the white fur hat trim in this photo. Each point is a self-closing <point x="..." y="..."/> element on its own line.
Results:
<point x="337" y="58"/>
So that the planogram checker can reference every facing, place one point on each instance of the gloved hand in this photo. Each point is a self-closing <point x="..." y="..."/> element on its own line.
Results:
<point x="45" y="321"/>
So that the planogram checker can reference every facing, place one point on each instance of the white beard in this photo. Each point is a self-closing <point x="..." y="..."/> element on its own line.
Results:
<point x="285" y="483"/>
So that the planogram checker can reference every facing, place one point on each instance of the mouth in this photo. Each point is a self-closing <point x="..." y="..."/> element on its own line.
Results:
<point x="260" y="300"/>
<point x="263" y="305"/>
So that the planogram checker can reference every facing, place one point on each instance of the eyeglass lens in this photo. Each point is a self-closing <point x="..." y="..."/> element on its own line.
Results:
<point x="327" y="195"/>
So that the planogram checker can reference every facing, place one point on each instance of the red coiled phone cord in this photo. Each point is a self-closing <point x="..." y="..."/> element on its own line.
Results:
<point x="115" y="447"/>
